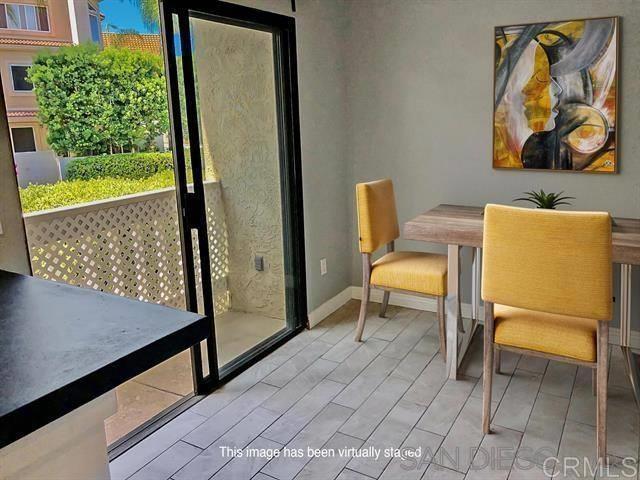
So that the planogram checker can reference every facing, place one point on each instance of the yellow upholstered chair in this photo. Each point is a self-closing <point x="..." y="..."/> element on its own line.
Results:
<point x="411" y="272"/>
<point x="547" y="288"/>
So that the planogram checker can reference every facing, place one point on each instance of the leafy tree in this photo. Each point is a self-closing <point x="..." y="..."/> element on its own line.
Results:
<point x="96" y="101"/>
<point x="67" y="86"/>
<point x="136" y="90"/>
<point x="149" y="11"/>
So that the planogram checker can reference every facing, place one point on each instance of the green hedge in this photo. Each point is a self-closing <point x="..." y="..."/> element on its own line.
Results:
<point x="61" y="194"/>
<point x="123" y="165"/>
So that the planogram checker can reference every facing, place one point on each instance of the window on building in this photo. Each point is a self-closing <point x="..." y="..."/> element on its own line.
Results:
<point x="19" y="77"/>
<point x="24" y="139"/>
<point x="24" y="17"/>
<point x="94" y="23"/>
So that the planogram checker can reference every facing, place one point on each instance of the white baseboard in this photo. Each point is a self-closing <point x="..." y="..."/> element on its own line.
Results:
<point x="398" y="299"/>
<point x="614" y="338"/>
<point x="328" y="307"/>
<point x="420" y="303"/>
<point x="409" y="301"/>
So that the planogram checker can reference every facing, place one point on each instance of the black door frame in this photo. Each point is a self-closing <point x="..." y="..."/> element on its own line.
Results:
<point x="191" y="205"/>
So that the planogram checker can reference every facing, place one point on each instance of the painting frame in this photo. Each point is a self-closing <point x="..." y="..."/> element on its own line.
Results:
<point x="616" y="82"/>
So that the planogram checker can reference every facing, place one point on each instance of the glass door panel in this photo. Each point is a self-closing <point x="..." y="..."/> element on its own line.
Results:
<point x="235" y="116"/>
<point x="235" y="79"/>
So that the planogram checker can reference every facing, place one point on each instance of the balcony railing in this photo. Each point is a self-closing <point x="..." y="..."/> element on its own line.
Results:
<point x="128" y="246"/>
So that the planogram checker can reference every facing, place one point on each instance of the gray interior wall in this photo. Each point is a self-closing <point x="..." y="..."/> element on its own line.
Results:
<point x="320" y="30"/>
<point x="419" y="89"/>
<point x="13" y="245"/>
<point x="323" y="104"/>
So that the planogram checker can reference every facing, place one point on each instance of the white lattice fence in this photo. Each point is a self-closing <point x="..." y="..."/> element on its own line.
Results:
<point x="129" y="246"/>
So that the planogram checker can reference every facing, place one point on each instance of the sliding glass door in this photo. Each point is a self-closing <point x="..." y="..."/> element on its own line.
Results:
<point x="233" y="98"/>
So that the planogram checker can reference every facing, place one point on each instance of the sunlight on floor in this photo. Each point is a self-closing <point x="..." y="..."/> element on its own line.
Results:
<point x="148" y="394"/>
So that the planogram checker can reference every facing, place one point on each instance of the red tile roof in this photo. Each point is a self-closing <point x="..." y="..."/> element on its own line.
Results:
<point x="143" y="42"/>
<point x="21" y="113"/>
<point x="34" y="43"/>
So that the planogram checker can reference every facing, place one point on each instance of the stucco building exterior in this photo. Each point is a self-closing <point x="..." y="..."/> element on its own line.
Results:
<point x="26" y="27"/>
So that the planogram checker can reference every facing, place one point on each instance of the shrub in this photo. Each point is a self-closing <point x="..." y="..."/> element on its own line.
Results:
<point x="61" y="194"/>
<point x="98" y="101"/>
<point x="123" y="165"/>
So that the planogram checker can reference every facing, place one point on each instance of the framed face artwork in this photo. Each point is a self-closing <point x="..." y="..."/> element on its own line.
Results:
<point x="555" y="96"/>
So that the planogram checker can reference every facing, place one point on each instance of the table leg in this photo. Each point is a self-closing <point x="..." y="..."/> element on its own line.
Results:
<point x="475" y="285"/>
<point x="630" y="362"/>
<point x="459" y="337"/>
<point x="625" y="305"/>
<point x="453" y="309"/>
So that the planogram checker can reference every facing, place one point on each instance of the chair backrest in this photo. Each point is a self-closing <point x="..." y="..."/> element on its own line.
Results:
<point x="377" y="217"/>
<point x="549" y="261"/>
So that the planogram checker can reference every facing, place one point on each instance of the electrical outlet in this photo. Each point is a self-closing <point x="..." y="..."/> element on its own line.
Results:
<point x="259" y="263"/>
<point x="323" y="266"/>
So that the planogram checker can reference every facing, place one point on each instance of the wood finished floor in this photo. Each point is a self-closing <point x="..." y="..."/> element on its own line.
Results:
<point x="322" y="390"/>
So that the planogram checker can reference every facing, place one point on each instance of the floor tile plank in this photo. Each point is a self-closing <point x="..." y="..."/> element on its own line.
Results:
<point x="410" y="336"/>
<point x="412" y="365"/>
<point x="582" y="407"/>
<point x="544" y="430"/>
<point x="293" y="391"/>
<point x="347" y="474"/>
<point x="168" y="462"/>
<point x="355" y="363"/>
<point x="518" y="400"/>
<point x="295" y="419"/>
<point x="446" y="406"/>
<point x="458" y="448"/>
<point x="390" y="434"/>
<point x="135" y="458"/>
<point x="367" y="417"/>
<point x="390" y="330"/>
<point x="224" y="395"/>
<point x="533" y="364"/>
<point x="428" y="384"/>
<point x="558" y="379"/>
<point x="213" y="458"/>
<point x="526" y="470"/>
<point x="436" y="472"/>
<point x="495" y="456"/>
<point x="365" y="384"/>
<point x="328" y="468"/>
<point x="296" y="364"/>
<point x="247" y="466"/>
<point x="314" y="435"/>
<point x="225" y="419"/>
<point x="411" y="468"/>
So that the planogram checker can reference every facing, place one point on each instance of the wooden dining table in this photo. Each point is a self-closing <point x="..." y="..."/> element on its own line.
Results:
<point x="459" y="226"/>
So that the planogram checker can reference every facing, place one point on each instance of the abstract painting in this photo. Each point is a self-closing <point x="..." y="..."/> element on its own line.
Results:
<point x="555" y="96"/>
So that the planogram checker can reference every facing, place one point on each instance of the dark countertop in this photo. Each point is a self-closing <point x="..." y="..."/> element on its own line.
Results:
<point x="63" y="346"/>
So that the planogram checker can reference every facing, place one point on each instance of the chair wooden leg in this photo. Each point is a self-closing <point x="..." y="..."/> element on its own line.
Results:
<point x="497" y="356"/>
<point x="487" y="370"/>
<point x="385" y="303"/>
<point x="363" y="313"/>
<point x="601" y="399"/>
<point x="442" y="327"/>
<point x="594" y="382"/>
<point x="366" y="276"/>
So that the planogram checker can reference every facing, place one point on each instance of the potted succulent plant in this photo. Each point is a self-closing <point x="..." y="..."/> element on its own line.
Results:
<point x="542" y="199"/>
